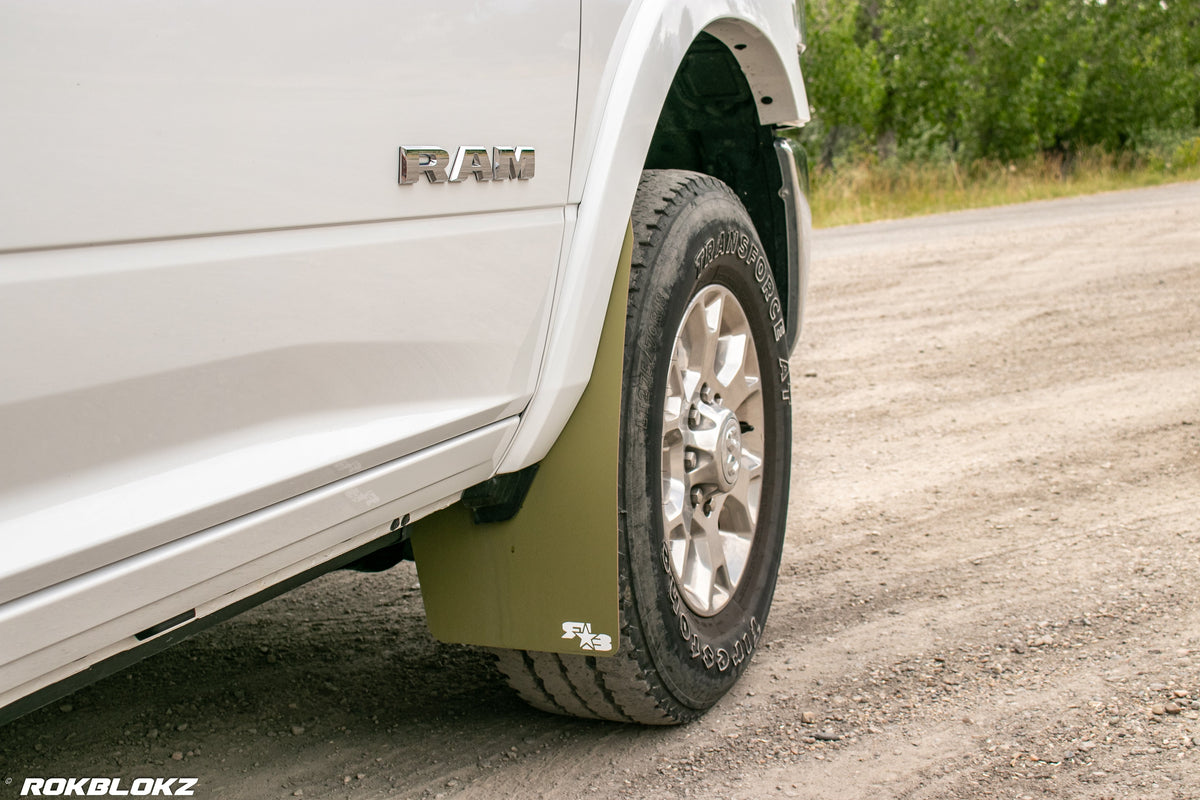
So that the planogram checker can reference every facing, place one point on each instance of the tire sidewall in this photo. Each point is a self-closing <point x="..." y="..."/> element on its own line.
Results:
<point x="710" y="240"/>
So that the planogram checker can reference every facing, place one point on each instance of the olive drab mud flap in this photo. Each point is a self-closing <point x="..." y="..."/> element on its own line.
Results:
<point x="547" y="578"/>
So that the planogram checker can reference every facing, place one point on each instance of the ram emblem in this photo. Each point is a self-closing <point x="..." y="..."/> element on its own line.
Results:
<point x="438" y="166"/>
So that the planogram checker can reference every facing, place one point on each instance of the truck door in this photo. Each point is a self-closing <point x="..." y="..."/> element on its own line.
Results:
<point x="216" y="292"/>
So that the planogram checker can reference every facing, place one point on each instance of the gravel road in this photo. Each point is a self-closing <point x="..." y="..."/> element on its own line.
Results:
<point x="991" y="586"/>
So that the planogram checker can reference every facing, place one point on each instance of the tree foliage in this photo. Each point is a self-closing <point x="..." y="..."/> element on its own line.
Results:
<point x="845" y="66"/>
<point x="1000" y="79"/>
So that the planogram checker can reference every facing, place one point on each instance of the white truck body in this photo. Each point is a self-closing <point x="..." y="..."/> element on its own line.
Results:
<point x="234" y="346"/>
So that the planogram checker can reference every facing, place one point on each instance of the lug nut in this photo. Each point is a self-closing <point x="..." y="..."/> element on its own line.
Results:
<point x="694" y="416"/>
<point x="689" y="461"/>
<point x="697" y="495"/>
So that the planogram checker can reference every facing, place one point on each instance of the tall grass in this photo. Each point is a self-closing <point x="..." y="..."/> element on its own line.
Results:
<point x="869" y="189"/>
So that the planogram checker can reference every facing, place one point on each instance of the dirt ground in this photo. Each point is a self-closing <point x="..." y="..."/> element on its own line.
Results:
<point x="991" y="586"/>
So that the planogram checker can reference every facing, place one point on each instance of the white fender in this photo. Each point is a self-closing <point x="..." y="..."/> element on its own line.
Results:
<point x="646" y="51"/>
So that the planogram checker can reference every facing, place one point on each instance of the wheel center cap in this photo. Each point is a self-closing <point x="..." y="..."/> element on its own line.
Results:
<point x="729" y="451"/>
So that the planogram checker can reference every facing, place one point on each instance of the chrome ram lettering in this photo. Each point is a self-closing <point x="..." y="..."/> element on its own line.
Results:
<point x="438" y="166"/>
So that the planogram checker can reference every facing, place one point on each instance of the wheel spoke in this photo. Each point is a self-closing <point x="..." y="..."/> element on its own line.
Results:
<point x="675" y="506"/>
<point x="709" y="561"/>
<point x="737" y="552"/>
<point x="742" y="505"/>
<point x="674" y="410"/>
<point x="705" y="472"/>
<point x="700" y="334"/>
<point x="731" y="358"/>
<point x="738" y="391"/>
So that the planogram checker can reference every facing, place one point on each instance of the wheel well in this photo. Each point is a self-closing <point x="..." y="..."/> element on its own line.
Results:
<point x="709" y="123"/>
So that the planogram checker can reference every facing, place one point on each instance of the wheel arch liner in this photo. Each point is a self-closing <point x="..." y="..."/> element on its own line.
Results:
<point x="528" y="582"/>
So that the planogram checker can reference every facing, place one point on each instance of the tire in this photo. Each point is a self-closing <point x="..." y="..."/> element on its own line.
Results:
<point x="712" y="437"/>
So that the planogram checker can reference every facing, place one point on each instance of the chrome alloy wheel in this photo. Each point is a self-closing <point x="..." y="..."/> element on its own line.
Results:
<point x="712" y="450"/>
